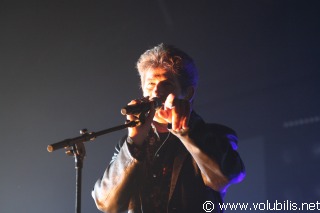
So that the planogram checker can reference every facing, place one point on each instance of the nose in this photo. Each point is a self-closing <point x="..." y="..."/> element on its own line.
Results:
<point x="160" y="91"/>
<point x="156" y="92"/>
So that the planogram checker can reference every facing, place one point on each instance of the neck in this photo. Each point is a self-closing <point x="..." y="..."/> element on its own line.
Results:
<point x="161" y="128"/>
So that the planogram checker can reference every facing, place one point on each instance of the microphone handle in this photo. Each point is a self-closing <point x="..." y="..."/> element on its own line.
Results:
<point x="136" y="108"/>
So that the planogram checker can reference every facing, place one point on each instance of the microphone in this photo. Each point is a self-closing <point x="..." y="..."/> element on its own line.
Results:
<point x="142" y="107"/>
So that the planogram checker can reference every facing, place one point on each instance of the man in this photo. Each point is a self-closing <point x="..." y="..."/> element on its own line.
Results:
<point x="174" y="161"/>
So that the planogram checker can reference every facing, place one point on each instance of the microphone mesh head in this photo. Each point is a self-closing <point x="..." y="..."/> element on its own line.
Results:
<point x="157" y="102"/>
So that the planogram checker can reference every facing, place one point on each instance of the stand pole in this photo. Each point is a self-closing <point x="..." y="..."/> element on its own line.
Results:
<point x="78" y="183"/>
<point x="79" y="152"/>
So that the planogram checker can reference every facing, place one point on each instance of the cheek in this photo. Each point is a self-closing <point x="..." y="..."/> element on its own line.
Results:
<point x="145" y="92"/>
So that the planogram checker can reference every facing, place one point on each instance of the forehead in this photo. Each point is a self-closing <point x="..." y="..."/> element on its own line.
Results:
<point x="158" y="74"/>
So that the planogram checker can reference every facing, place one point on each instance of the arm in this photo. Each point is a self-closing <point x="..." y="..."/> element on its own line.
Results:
<point x="119" y="183"/>
<point x="212" y="148"/>
<point x="209" y="145"/>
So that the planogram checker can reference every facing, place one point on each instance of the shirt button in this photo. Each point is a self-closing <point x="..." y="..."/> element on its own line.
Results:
<point x="157" y="155"/>
<point x="154" y="175"/>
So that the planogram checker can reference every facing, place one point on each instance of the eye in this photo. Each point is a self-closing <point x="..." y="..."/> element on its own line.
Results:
<point x="167" y="84"/>
<point x="150" y="85"/>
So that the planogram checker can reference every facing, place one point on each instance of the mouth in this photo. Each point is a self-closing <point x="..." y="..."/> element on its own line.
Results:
<point x="161" y="99"/>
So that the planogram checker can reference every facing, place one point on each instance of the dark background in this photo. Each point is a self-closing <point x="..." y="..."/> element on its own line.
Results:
<point x="68" y="65"/>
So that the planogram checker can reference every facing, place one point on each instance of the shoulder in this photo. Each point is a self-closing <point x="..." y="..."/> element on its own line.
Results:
<point x="224" y="131"/>
<point x="218" y="131"/>
<point x="121" y="142"/>
<point x="220" y="128"/>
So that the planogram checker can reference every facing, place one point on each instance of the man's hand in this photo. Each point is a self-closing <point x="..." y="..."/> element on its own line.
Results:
<point x="139" y="133"/>
<point x="177" y="112"/>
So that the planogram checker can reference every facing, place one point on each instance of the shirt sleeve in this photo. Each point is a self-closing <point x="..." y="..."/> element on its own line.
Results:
<point x="120" y="181"/>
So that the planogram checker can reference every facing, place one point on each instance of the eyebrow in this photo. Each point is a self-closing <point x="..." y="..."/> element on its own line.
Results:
<point x="155" y="76"/>
<point x="166" y="80"/>
<point x="168" y="76"/>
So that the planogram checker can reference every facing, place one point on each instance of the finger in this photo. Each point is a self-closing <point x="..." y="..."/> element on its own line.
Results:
<point x="166" y="115"/>
<point x="181" y="114"/>
<point x="185" y="120"/>
<point x="181" y="132"/>
<point x="169" y="103"/>
<point x="137" y="101"/>
<point x="150" y="115"/>
<point x="175" y="120"/>
<point x="177" y="114"/>
<point x="132" y="117"/>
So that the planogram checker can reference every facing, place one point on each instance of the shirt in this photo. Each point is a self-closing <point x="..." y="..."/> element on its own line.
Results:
<point x="160" y="151"/>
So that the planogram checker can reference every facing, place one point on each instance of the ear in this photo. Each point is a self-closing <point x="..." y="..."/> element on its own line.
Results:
<point x="190" y="93"/>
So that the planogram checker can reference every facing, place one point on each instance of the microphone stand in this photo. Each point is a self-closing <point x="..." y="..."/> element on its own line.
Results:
<point x="76" y="148"/>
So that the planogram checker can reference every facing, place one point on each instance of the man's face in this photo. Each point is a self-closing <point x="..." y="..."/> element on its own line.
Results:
<point x="160" y="83"/>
